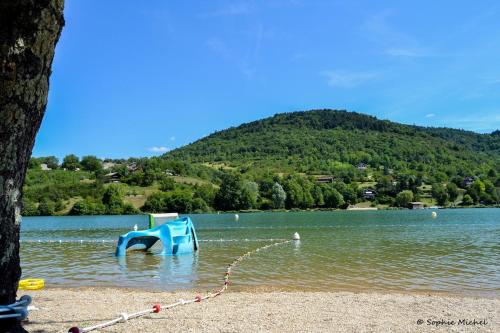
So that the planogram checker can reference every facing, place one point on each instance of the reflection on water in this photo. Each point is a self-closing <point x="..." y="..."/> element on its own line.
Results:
<point x="458" y="252"/>
<point x="169" y="272"/>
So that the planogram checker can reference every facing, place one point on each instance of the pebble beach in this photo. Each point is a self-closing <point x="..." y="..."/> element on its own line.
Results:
<point x="264" y="311"/>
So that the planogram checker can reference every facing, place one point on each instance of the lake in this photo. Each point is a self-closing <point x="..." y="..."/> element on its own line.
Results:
<point x="458" y="252"/>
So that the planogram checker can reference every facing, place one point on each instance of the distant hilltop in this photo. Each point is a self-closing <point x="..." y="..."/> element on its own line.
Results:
<point x="310" y="141"/>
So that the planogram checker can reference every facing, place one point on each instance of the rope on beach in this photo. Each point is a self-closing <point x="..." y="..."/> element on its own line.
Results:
<point x="197" y="299"/>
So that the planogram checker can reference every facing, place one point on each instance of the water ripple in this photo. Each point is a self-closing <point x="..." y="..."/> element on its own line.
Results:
<point x="458" y="252"/>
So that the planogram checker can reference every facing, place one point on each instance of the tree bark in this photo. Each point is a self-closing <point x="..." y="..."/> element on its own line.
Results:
<point x="29" y="31"/>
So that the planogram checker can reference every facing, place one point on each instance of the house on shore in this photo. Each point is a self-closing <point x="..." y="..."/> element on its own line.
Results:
<point x="417" y="205"/>
<point x="369" y="194"/>
<point x="169" y="172"/>
<point x="132" y="167"/>
<point x="324" y="179"/>
<point x="113" y="177"/>
<point x="45" y="167"/>
<point x="362" y="166"/>
<point x="468" y="181"/>
<point x="108" y="165"/>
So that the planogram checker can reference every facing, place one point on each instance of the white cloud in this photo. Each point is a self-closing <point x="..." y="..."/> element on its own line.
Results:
<point x="158" y="149"/>
<point x="406" y="52"/>
<point x="392" y="40"/>
<point x="346" y="79"/>
<point x="233" y="9"/>
<point x="219" y="46"/>
<point x="430" y="115"/>
<point x="244" y="63"/>
<point x="172" y="138"/>
<point x="490" y="80"/>
<point x="298" y="56"/>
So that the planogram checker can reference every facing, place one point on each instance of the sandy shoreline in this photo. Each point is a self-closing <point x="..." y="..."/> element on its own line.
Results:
<point x="271" y="311"/>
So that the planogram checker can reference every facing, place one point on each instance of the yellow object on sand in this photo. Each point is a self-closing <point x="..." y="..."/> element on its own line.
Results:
<point x="31" y="284"/>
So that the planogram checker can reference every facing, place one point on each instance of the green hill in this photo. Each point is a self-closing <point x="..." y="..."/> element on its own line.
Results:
<point x="320" y="159"/>
<point x="315" y="142"/>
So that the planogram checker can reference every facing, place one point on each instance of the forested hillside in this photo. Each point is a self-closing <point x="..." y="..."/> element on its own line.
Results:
<point x="321" y="159"/>
<point x="316" y="141"/>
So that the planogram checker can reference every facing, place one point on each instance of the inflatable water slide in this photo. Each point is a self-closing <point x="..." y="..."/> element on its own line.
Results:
<point x="177" y="235"/>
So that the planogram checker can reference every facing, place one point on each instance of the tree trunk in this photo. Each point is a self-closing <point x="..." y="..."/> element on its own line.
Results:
<point x="29" y="31"/>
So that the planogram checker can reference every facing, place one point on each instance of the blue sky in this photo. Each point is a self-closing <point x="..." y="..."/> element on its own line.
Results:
<point x="136" y="78"/>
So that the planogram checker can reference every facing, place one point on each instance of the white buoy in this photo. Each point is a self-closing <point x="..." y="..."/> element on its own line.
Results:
<point x="135" y="227"/>
<point x="236" y="217"/>
<point x="434" y="215"/>
<point x="296" y="236"/>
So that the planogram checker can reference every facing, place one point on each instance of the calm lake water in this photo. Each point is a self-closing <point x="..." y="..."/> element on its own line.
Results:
<point x="458" y="252"/>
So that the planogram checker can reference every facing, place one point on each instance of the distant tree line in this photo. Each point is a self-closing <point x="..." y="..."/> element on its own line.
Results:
<point x="85" y="186"/>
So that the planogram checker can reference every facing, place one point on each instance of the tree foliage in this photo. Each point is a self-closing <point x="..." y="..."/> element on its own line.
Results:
<point x="91" y="163"/>
<point x="319" y="141"/>
<point x="278" y="196"/>
<point x="404" y="198"/>
<point x="277" y="162"/>
<point x="71" y="162"/>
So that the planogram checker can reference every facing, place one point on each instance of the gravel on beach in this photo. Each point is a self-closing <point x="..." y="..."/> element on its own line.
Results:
<point x="264" y="311"/>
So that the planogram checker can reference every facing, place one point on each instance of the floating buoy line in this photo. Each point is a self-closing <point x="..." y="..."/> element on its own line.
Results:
<point x="156" y="308"/>
<point x="75" y="241"/>
<point x="97" y="241"/>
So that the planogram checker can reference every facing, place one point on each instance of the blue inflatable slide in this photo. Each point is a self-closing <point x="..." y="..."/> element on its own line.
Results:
<point x="177" y="236"/>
